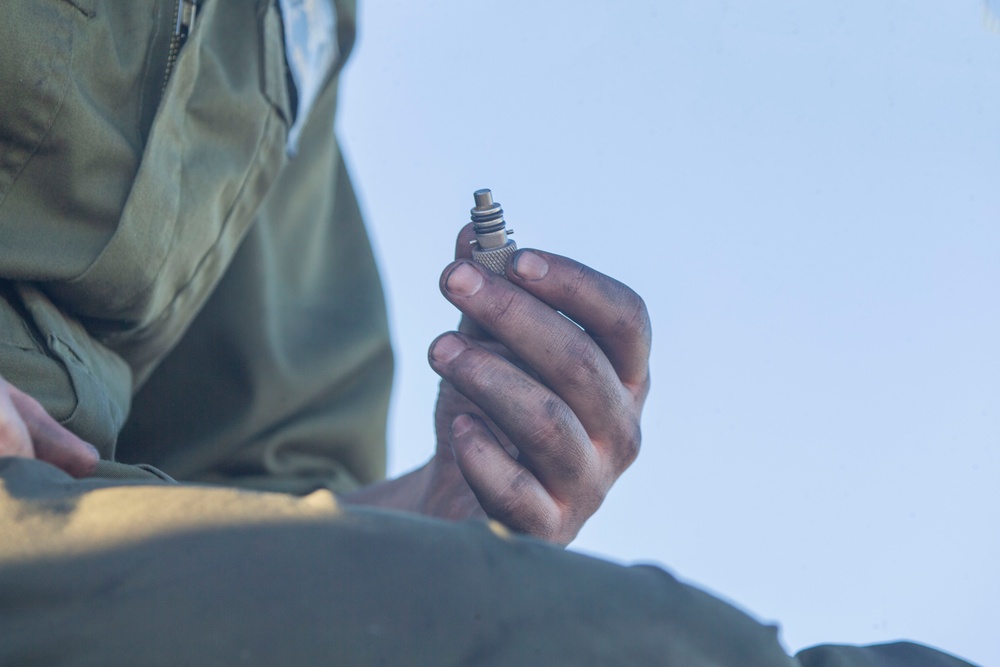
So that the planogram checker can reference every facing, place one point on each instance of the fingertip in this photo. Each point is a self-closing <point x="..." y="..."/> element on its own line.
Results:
<point x="461" y="425"/>
<point x="463" y="245"/>
<point x="51" y="441"/>
<point x="446" y="347"/>
<point x="529" y="264"/>
<point x="69" y="452"/>
<point x="89" y="465"/>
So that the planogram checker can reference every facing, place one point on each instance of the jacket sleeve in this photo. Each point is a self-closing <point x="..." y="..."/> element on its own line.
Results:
<point x="50" y="356"/>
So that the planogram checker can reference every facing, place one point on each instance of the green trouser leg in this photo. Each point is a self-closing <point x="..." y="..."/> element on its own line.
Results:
<point x="107" y="573"/>
<point x="103" y="572"/>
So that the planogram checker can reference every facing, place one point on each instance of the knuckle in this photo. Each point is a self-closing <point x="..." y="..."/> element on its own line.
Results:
<point x="577" y="281"/>
<point x="553" y="422"/>
<point x="534" y="520"/>
<point x="518" y="489"/>
<point x="503" y="310"/>
<point x="515" y="502"/>
<point x="577" y="360"/>
<point x="623" y="445"/>
<point x="581" y="367"/>
<point x="551" y="529"/>
<point x="484" y="375"/>
<point x="558" y="445"/>
<point x="475" y="369"/>
<point x="629" y="444"/>
<point x="642" y="389"/>
<point x="588" y="503"/>
<point x="633" y="319"/>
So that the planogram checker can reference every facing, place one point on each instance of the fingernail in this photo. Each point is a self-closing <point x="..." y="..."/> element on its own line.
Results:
<point x="447" y="348"/>
<point x="464" y="280"/>
<point x="461" y="425"/>
<point x="530" y="265"/>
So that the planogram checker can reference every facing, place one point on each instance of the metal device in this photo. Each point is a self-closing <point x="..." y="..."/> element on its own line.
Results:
<point x="491" y="247"/>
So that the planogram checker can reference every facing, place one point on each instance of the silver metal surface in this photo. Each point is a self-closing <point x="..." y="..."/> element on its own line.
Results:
<point x="492" y="245"/>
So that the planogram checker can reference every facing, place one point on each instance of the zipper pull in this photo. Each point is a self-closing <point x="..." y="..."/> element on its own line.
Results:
<point x="186" y="12"/>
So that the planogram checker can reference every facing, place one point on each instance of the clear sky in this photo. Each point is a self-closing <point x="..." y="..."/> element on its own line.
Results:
<point x="807" y="195"/>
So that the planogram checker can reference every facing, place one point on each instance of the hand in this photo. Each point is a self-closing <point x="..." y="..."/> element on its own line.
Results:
<point x="27" y="430"/>
<point x="540" y="415"/>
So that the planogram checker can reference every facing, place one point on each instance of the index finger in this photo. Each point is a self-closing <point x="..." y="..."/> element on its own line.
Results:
<point x="53" y="442"/>
<point x="608" y="310"/>
<point x="463" y="250"/>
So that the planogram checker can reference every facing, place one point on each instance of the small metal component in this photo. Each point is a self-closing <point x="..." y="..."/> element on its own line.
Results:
<point x="185" y="12"/>
<point x="492" y="247"/>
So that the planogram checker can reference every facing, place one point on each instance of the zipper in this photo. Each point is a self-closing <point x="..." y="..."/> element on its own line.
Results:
<point x="184" y="15"/>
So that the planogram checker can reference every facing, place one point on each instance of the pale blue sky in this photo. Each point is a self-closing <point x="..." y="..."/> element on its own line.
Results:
<point x="807" y="194"/>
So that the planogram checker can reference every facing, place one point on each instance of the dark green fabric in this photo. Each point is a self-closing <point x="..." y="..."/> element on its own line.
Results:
<point x="283" y="377"/>
<point x="98" y="572"/>
<point x="900" y="654"/>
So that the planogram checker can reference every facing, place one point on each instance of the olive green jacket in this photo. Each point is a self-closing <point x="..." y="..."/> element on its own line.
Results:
<point x="159" y="225"/>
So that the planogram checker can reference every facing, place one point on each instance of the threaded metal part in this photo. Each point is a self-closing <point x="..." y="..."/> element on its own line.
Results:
<point x="495" y="259"/>
<point x="487" y="216"/>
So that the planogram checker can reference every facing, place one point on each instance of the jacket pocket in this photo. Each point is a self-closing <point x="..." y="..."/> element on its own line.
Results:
<point x="215" y="146"/>
<point x="72" y="125"/>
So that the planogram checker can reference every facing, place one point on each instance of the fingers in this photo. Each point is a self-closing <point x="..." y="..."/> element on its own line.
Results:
<point x="613" y="314"/>
<point x="563" y="356"/>
<point x="505" y="488"/>
<point x="51" y="441"/>
<point x="14" y="438"/>
<point x="571" y="404"/>
<point x="545" y="430"/>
